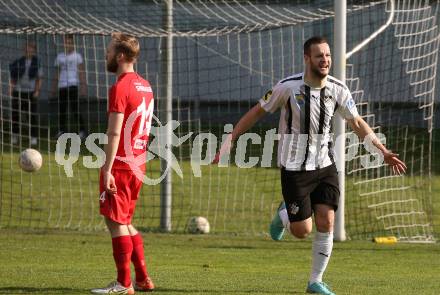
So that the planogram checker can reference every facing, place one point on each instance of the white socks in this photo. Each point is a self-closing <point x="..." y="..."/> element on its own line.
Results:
<point x="321" y="251"/>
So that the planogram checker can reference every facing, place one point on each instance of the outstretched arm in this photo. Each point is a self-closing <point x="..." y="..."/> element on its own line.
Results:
<point x="363" y="130"/>
<point x="246" y="122"/>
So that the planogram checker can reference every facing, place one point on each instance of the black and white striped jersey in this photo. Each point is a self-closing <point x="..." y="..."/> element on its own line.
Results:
<point x="306" y="141"/>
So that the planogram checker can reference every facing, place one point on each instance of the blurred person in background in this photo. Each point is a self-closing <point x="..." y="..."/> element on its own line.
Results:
<point x="24" y="88"/>
<point x="70" y="83"/>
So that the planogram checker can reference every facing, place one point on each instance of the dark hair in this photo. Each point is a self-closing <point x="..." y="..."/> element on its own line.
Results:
<point x="314" y="40"/>
<point x="126" y="44"/>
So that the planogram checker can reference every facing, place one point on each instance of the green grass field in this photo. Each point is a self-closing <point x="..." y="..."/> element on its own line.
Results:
<point x="75" y="254"/>
<point x="41" y="262"/>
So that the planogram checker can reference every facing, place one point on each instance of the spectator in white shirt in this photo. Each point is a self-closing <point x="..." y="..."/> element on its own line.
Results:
<point x="71" y="83"/>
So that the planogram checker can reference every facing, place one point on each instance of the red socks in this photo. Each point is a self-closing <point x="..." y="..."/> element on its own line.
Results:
<point x="126" y="248"/>
<point x="138" y="258"/>
<point x="122" y="249"/>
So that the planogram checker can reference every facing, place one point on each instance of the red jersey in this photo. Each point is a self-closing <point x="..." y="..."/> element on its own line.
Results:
<point x="132" y="96"/>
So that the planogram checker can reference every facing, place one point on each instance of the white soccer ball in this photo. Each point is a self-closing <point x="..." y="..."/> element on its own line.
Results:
<point x="198" y="225"/>
<point x="30" y="160"/>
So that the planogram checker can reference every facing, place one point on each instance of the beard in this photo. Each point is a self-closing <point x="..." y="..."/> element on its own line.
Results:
<point x="112" y="65"/>
<point x="318" y="73"/>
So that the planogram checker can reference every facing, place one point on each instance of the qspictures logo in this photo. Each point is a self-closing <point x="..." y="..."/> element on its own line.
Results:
<point x="203" y="149"/>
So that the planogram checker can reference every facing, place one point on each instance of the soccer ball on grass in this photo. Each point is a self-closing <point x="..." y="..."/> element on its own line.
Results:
<point x="198" y="225"/>
<point x="30" y="160"/>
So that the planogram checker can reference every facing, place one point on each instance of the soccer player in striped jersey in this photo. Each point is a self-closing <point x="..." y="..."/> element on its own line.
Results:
<point x="309" y="177"/>
<point x="130" y="111"/>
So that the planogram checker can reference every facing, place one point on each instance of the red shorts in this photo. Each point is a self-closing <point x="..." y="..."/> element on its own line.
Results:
<point x="120" y="206"/>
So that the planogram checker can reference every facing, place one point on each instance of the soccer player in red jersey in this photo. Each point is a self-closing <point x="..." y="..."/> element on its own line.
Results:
<point x="130" y="111"/>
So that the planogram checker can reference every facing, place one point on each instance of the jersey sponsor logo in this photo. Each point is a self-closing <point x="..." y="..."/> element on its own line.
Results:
<point x="140" y="144"/>
<point x="267" y="96"/>
<point x="142" y="88"/>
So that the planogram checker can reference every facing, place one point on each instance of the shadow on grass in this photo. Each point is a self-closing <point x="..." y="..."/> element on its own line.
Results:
<point x="205" y="291"/>
<point x="392" y="248"/>
<point x="232" y="247"/>
<point x="33" y="290"/>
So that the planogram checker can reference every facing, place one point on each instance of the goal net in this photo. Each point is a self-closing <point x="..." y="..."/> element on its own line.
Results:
<point x="226" y="55"/>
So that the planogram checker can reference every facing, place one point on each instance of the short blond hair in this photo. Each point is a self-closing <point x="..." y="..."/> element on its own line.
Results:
<point x="127" y="45"/>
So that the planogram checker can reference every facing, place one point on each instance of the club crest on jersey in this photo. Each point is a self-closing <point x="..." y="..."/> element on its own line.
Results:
<point x="267" y="96"/>
<point x="299" y="98"/>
